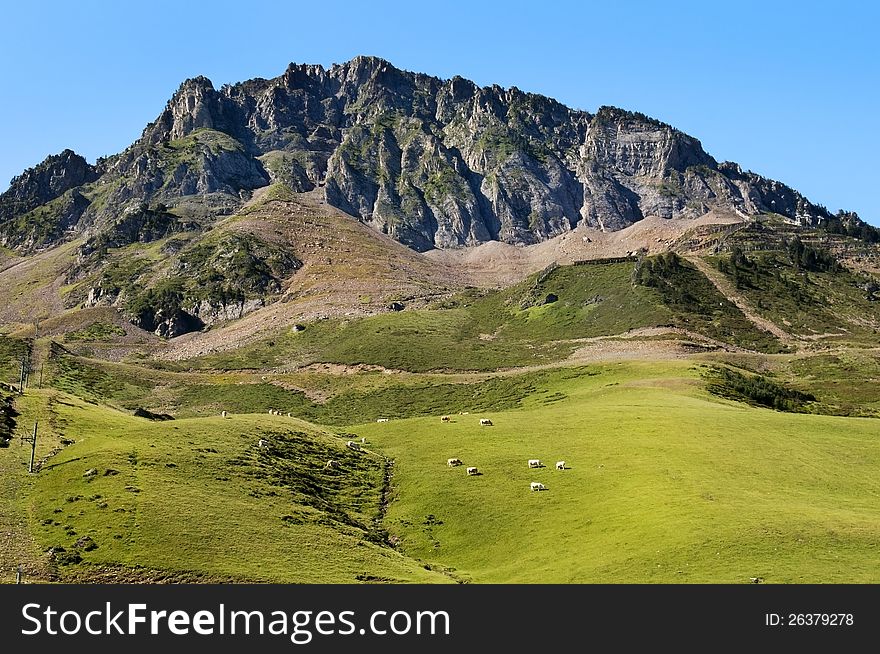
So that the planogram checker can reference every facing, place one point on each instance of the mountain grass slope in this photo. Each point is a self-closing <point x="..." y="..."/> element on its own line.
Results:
<point x="662" y="484"/>
<point x="201" y="500"/>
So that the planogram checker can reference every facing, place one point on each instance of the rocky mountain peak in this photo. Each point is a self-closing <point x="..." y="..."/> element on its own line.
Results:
<point x="45" y="182"/>
<point x="195" y="104"/>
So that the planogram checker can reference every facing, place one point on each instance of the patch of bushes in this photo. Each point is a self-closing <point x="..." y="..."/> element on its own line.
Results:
<point x="849" y="224"/>
<point x="813" y="259"/>
<point x="756" y="390"/>
<point x="7" y="419"/>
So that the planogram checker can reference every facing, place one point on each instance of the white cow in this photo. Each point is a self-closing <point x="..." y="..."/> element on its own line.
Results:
<point x="288" y="415"/>
<point x="485" y="422"/>
<point x="473" y="471"/>
<point x="535" y="463"/>
<point x="331" y="464"/>
<point x="262" y="443"/>
<point x="222" y="414"/>
<point x="271" y="412"/>
<point x="363" y="439"/>
<point x="537" y="486"/>
<point x="382" y="420"/>
<point x="560" y="465"/>
<point x="453" y="462"/>
<point x="352" y="445"/>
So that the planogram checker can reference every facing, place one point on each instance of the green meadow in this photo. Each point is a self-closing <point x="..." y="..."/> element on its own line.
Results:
<point x="663" y="484"/>
<point x="200" y="500"/>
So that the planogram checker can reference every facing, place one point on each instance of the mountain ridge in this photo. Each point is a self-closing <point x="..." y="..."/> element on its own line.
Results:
<point x="434" y="163"/>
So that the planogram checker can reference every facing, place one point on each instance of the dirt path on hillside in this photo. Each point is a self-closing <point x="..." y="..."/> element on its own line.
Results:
<point x="642" y="344"/>
<point x="727" y="290"/>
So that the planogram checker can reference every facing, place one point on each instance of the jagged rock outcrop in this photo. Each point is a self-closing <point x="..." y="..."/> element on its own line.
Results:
<point x="45" y="182"/>
<point x="431" y="162"/>
<point x="44" y="203"/>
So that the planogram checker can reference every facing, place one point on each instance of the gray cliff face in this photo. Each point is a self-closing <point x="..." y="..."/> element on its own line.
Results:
<point x="431" y="162"/>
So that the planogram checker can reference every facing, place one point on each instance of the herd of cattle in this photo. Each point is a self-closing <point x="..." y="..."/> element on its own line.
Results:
<point x="453" y="462"/>
<point x="473" y="470"/>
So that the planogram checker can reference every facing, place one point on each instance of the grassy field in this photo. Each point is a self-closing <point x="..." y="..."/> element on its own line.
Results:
<point x="664" y="484"/>
<point x="199" y="500"/>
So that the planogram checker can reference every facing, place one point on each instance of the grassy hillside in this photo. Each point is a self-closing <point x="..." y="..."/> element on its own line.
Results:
<point x="533" y="322"/>
<point x="664" y="484"/>
<point x="677" y="470"/>
<point x="665" y="481"/>
<point x="12" y="350"/>
<point x="807" y="300"/>
<point x="200" y="500"/>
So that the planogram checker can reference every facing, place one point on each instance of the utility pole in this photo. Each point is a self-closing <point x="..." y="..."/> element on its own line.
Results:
<point x="21" y="378"/>
<point x="33" y="441"/>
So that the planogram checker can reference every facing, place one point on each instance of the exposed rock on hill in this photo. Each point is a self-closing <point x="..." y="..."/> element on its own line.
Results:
<point x="431" y="162"/>
<point x="45" y="182"/>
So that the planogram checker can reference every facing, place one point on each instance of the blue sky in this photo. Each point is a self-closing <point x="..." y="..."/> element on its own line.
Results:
<point x="787" y="89"/>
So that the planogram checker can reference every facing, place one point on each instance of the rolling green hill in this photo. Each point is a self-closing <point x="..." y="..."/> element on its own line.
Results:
<point x="662" y="484"/>
<point x="201" y="500"/>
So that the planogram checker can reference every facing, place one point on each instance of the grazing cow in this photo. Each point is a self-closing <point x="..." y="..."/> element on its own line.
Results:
<point x="331" y="465"/>
<point x="363" y="439"/>
<point x="537" y="486"/>
<point x="222" y="414"/>
<point x="382" y="420"/>
<point x="560" y="465"/>
<point x="352" y="445"/>
<point x="444" y="419"/>
<point x="288" y="415"/>
<point x="271" y="412"/>
<point x="535" y="463"/>
<point x="453" y="462"/>
<point x="262" y="443"/>
<point x="485" y="422"/>
<point x="473" y="471"/>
